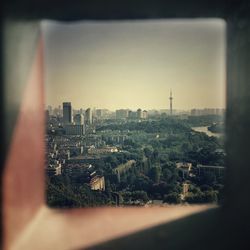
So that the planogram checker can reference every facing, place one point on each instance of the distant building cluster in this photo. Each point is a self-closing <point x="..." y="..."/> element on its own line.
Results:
<point x="71" y="134"/>
<point x="74" y="129"/>
<point x="200" y="112"/>
<point x="60" y="149"/>
<point x="90" y="116"/>
<point x="131" y="115"/>
<point x="88" y="175"/>
<point x="75" y="146"/>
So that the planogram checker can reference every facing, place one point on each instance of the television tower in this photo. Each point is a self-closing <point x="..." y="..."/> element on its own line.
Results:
<point x="171" y="102"/>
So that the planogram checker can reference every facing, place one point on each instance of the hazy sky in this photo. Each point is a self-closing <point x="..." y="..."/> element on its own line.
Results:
<point x="134" y="64"/>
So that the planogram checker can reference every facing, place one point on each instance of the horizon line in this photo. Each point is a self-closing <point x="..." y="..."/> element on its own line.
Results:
<point x="151" y="109"/>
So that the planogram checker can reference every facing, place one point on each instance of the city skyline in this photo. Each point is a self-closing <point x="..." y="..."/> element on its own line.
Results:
<point x="136" y="64"/>
<point x="132" y="109"/>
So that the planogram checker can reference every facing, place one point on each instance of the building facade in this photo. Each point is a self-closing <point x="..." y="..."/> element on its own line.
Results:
<point x="121" y="113"/>
<point x="139" y="114"/>
<point x="97" y="183"/>
<point x="88" y="116"/>
<point x="67" y="113"/>
<point x="71" y="129"/>
<point x="54" y="169"/>
<point x="79" y="119"/>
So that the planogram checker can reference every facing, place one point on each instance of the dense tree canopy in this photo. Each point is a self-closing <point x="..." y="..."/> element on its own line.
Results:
<point x="155" y="146"/>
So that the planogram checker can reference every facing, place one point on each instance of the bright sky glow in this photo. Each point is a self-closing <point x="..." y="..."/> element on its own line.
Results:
<point x="134" y="64"/>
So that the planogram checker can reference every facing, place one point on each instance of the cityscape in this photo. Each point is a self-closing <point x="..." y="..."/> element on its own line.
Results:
<point x="134" y="112"/>
<point x="98" y="157"/>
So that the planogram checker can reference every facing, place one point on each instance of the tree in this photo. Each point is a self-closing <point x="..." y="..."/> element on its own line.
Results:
<point x="208" y="178"/>
<point x="155" y="174"/>
<point x="172" y="198"/>
<point x="167" y="174"/>
<point x="155" y="154"/>
<point x="147" y="152"/>
<point x="112" y="160"/>
<point x="210" y="196"/>
<point x="202" y="197"/>
<point x="140" y="195"/>
<point x="142" y="183"/>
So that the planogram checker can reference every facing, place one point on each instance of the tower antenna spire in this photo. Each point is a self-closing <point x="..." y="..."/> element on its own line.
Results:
<point x="171" y="102"/>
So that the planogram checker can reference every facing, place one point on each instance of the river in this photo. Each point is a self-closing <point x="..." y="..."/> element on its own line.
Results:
<point x="204" y="129"/>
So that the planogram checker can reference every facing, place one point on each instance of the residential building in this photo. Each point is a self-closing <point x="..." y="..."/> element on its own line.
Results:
<point x="185" y="168"/>
<point x="54" y="169"/>
<point x="79" y="119"/>
<point x="97" y="183"/>
<point x="122" y="113"/>
<point x="217" y="170"/>
<point x="88" y="116"/>
<point x="71" y="129"/>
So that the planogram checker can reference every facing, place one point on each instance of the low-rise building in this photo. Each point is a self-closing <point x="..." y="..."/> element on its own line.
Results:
<point x="132" y="115"/>
<point x="122" y="113"/>
<point x="184" y="167"/>
<point x="97" y="183"/>
<point x="145" y="114"/>
<point x="201" y="112"/>
<point x="114" y="139"/>
<point x="139" y="114"/>
<point x="217" y="170"/>
<point x="104" y="150"/>
<point x="54" y="169"/>
<point x="77" y="169"/>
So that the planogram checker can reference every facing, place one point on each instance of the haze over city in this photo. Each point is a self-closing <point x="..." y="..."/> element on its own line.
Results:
<point x="134" y="64"/>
